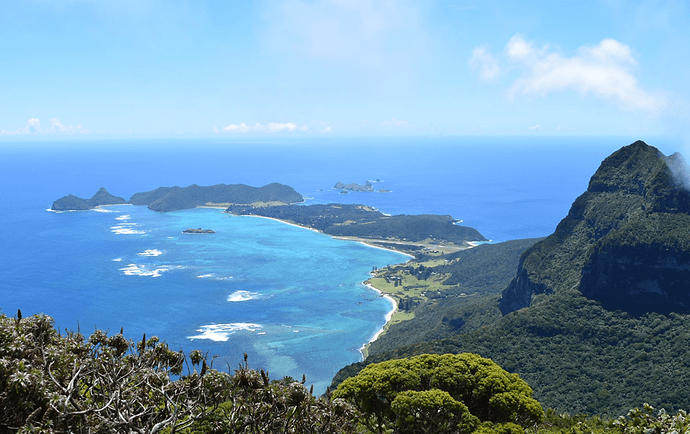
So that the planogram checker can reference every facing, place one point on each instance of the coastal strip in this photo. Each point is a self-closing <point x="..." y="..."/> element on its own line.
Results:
<point x="388" y="317"/>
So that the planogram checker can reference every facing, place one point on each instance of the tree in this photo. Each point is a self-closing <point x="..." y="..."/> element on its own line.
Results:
<point x="487" y="391"/>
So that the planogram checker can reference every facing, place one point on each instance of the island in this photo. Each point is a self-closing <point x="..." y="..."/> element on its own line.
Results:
<point x="166" y="199"/>
<point x="198" y="231"/>
<point x="74" y="203"/>
<point x="412" y="234"/>
<point x="367" y="187"/>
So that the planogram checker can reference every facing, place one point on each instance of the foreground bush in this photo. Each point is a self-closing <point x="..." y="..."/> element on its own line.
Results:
<point x="257" y="405"/>
<point x="65" y="383"/>
<point x="442" y="394"/>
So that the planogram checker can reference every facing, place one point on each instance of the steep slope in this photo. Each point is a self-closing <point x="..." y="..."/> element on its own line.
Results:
<point x="625" y="241"/>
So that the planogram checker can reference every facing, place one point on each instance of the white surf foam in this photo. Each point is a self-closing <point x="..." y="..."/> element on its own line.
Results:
<point x="242" y="296"/>
<point x="222" y="332"/>
<point x="117" y="260"/>
<point x="150" y="252"/>
<point x="123" y="217"/>
<point x="141" y="270"/>
<point x="97" y="209"/>
<point x="123" y="230"/>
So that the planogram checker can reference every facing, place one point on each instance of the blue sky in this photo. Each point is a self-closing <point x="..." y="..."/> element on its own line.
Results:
<point x="177" y="68"/>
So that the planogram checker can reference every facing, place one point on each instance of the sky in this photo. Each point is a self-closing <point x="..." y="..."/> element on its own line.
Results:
<point x="296" y="68"/>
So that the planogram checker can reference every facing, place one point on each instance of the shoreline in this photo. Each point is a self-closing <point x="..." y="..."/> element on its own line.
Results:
<point x="389" y="315"/>
<point x="363" y="349"/>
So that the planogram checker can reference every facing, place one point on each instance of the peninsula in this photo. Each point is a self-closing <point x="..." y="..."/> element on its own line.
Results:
<point x="412" y="234"/>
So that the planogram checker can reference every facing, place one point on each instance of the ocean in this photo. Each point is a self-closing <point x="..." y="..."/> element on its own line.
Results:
<point x="289" y="297"/>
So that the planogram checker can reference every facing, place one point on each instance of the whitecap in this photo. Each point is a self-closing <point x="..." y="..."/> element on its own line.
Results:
<point x="150" y="252"/>
<point x="97" y="209"/>
<point x="117" y="260"/>
<point x="123" y="217"/>
<point x="123" y="230"/>
<point x="222" y="332"/>
<point x="242" y="296"/>
<point x="141" y="270"/>
<point x="204" y="276"/>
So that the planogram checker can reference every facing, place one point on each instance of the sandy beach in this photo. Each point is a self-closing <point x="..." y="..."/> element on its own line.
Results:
<point x="388" y="316"/>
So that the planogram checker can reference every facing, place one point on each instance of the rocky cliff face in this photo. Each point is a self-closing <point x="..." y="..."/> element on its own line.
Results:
<point x="625" y="241"/>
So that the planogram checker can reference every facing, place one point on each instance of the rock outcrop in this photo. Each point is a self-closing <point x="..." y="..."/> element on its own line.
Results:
<point x="625" y="241"/>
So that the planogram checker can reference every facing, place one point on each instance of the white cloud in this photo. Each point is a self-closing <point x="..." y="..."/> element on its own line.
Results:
<point x="537" y="127"/>
<point x="241" y="128"/>
<point x="396" y="123"/>
<point x="33" y="126"/>
<point x="604" y="71"/>
<point x="275" y="126"/>
<point x="326" y="130"/>
<point x="484" y="62"/>
<point x="271" y="127"/>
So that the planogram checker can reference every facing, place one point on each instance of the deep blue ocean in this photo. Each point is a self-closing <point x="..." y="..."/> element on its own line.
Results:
<point x="289" y="297"/>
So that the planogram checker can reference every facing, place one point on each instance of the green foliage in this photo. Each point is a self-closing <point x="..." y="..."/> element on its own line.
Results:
<point x="488" y="392"/>
<point x="55" y="383"/>
<point x="256" y="405"/>
<point x="363" y="221"/>
<point x="431" y="411"/>
<point x="579" y="357"/>
<point x="467" y="300"/>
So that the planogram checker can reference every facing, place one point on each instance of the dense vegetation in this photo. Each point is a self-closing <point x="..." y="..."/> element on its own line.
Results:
<point x="406" y="394"/>
<point x="366" y="222"/>
<point x="577" y="356"/>
<point x="447" y="296"/>
<point x="56" y="383"/>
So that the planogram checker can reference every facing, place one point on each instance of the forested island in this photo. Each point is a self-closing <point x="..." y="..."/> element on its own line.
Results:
<point x="165" y="199"/>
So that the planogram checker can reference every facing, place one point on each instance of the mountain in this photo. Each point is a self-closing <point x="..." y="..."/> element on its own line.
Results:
<point x="624" y="243"/>
<point x="596" y="318"/>
<point x="72" y="202"/>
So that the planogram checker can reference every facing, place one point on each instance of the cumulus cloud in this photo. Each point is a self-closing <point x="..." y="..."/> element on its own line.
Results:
<point x="537" y="127"/>
<point x="485" y="63"/>
<point x="33" y="126"/>
<point x="604" y="71"/>
<point x="271" y="127"/>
